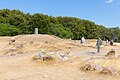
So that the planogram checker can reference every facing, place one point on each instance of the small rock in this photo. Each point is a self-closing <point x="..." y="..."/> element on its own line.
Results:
<point x="38" y="55"/>
<point x="63" y="57"/>
<point x="47" y="58"/>
<point x="31" y="42"/>
<point x="19" y="52"/>
<point x="111" y="42"/>
<point x="19" y="46"/>
<point x="110" y="53"/>
<point x="12" y="54"/>
<point x="98" y="68"/>
<point x="108" y="70"/>
<point x="88" y="67"/>
<point x="13" y="49"/>
<point x="12" y="41"/>
<point x="90" y="53"/>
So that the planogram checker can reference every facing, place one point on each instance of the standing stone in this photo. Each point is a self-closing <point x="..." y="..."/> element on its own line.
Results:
<point x="99" y="43"/>
<point x="82" y="40"/>
<point x="36" y="30"/>
<point x="111" y="42"/>
<point x="107" y="42"/>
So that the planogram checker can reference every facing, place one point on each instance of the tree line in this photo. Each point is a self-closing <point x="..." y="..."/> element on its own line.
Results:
<point x="15" y="22"/>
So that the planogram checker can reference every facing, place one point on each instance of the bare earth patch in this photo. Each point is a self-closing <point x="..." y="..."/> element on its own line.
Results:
<point x="16" y="61"/>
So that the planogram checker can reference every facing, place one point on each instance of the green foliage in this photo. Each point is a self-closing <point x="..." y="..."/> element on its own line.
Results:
<point x="15" y="22"/>
<point x="60" y="31"/>
<point x="8" y="30"/>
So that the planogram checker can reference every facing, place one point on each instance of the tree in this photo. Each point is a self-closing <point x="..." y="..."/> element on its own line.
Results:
<point x="60" y="31"/>
<point x="8" y="30"/>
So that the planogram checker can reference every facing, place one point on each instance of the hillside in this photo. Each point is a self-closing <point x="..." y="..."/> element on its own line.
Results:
<point x="16" y="22"/>
<point x="16" y="61"/>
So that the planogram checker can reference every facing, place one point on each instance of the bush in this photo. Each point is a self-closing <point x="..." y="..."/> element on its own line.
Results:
<point x="9" y="30"/>
<point x="60" y="31"/>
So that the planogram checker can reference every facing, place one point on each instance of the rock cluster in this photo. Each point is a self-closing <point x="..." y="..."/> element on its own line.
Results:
<point x="63" y="56"/>
<point x="99" y="68"/>
<point x="108" y="70"/>
<point x="14" y="48"/>
<point x="42" y="55"/>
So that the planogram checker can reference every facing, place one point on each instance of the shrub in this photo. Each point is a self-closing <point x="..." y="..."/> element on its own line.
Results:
<point x="9" y="30"/>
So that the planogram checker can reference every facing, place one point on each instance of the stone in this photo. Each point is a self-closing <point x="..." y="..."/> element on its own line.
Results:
<point x="12" y="54"/>
<point x="36" y="30"/>
<point x="88" y="67"/>
<point x="13" y="49"/>
<point x="19" y="45"/>
<point x="98" y="68"/>
<point x="82" y="40"/>
<point x="39" y="55"/>
<point x="107" y="41"/>
<point x="111" y="42"/>
<point x="19" y="52"/>
<point x="47" y="58"/>
<point x="89" y="53"/>
<point x="108" y="70"/>
<point x="64" y="57"/>
<point x="110" y="53"/>
<point x="43" y="56"/>
<point x="12" y="41"/>
<point x="99" y="42"/>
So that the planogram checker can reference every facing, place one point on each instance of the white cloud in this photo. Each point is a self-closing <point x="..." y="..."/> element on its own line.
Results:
<point x="109" y="1"/>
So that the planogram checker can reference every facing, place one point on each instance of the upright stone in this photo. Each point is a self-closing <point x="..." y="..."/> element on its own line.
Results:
<point x="111" y="42"/>
<point x="99" y="43"/>
<point x="82" y="41"/>
<point x="36" y="30"/>
<point x="107" y="42"/>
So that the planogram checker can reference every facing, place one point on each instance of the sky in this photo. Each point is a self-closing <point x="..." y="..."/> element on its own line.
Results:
<point x="102" y="12"/>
